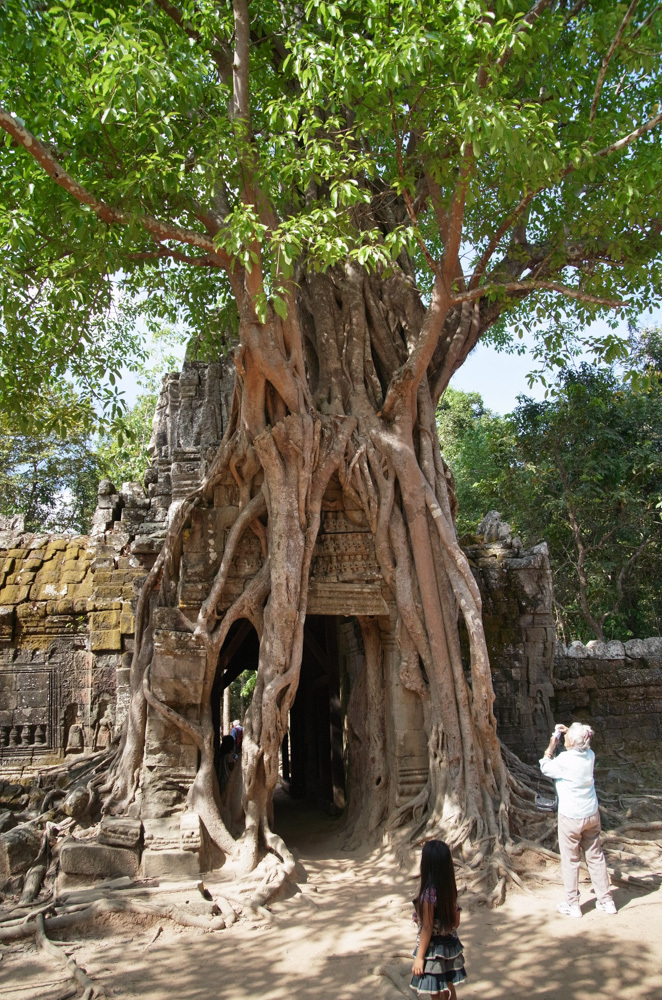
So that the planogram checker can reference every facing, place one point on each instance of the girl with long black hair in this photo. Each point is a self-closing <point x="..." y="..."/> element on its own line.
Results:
<point x="439" y="958"/>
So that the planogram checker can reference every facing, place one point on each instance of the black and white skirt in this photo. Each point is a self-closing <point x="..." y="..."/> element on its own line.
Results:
<point x="443" y="964"/>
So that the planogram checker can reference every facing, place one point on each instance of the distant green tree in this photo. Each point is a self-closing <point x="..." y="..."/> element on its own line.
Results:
<point x="124" y="457"/>
<point x="123" y="447"/>
<point x="581" y="470"/>
<point x="592" y="462"/>
<point x="479" y="447"/>
<point x="50" y="476"/>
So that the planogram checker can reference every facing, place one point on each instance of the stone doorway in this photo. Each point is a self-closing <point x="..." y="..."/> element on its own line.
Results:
<point x="313" y="753"/>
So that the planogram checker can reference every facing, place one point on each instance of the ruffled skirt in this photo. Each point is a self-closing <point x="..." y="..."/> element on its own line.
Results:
<point x="443" y="964"/>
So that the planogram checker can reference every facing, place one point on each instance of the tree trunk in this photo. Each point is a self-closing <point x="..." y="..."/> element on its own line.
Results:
<point x="309" y="402"/>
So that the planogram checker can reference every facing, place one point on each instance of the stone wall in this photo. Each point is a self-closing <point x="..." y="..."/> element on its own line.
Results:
<point x="67" y="603"/>
<point x="615" y="687"/>
<point x="66" y="635"/>
<point x="516" y="588"/>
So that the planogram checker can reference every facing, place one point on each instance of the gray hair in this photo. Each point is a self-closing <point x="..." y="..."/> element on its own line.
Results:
<point x="580" y="735"/>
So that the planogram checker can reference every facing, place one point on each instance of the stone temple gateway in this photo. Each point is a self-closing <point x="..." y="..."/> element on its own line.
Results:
<point x="66" y="640"/>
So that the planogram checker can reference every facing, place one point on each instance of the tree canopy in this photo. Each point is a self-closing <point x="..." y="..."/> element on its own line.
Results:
<point x="507" y="153"/>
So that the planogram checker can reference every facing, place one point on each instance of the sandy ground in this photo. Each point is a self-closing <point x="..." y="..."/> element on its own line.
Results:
<point x="353" y="915"/>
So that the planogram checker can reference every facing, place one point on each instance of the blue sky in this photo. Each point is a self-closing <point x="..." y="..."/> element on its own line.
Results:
<point x="500" y="378"/>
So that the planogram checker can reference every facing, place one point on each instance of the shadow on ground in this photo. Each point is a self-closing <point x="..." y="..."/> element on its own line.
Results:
<point x="352" y="915"/>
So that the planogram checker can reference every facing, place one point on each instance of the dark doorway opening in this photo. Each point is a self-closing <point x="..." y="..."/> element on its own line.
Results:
<point x="312" y="756"/>
<point x="240" y="652"/>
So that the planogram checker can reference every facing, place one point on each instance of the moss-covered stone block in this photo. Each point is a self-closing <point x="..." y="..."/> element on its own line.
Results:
<point x="71" y="565"/>
<point x="107" y="640"/>
<point x="104" y="620"/>
<point x="54" y="591"/>
<point x="32" y="611"/>
<point x="97" y="603"/>
<point x="49" y="574"/>
<point x="54" y="546"/>
<point x="127" y="623"/>
<point x="14" y="594"/>
<point x="82" y="591"/>
<point x="64" y="607"/>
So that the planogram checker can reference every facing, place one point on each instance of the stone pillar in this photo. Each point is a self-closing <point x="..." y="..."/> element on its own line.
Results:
<point x="406" y="741"/>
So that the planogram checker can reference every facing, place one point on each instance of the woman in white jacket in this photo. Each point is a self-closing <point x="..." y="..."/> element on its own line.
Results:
<point x="579" y="818"/>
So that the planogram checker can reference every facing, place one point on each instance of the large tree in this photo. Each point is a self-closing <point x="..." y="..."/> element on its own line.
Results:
<point x="353" y="193"/>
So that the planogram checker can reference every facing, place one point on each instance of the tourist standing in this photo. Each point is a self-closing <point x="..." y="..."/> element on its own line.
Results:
<point x="579" y="817"/>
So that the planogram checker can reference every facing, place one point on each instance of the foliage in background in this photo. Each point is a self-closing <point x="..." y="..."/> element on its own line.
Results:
<point x="50" y="476"/>
<point x="50" y="473"/>
<point x="581" y="470"/>
<point x="123" y="449"/>
<point x="125" y="457"/>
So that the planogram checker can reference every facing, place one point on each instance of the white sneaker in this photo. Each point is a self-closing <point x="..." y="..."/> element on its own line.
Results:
<point x="606" y="905"/>
<point x="569" y="909"/>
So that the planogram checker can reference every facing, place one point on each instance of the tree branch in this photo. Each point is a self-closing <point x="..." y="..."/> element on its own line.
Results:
<point x="627" y="140"/>
<point x="627" y="565"/>
<point x="456" y="213"/>
<point x="607" y="59"/>
<point x="241" y="62"/>
<point x="219" y="52"/>
<point x="534" y="286"/>
<point x="498" y="236"/>
<point x="405" y="193"/>
<point x="581" y="551"/>
<point x="646" y="21"/>
<point x="107" y="213"/>
<point x="516" y="212"/>
<point x="207" y="261"/>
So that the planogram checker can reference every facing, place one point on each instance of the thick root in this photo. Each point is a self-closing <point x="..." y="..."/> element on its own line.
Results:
<point x="75" y="917"/>
<point x="91" y="988"/>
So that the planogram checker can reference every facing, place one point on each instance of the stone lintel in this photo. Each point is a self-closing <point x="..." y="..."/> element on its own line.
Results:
<point x="332" y="598"/>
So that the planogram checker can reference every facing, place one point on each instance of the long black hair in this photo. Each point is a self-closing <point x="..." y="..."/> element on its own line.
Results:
<point x="437" y="872"/>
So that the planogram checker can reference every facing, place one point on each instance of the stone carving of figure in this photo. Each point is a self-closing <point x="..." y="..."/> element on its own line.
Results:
<point x="75" y="738"/>
<point x="104" y="732"/>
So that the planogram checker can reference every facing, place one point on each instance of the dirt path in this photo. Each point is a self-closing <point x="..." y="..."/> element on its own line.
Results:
<point x="352" y="915"/>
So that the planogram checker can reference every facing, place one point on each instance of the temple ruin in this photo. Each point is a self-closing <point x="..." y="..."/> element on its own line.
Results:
<point x="67" y="630"/>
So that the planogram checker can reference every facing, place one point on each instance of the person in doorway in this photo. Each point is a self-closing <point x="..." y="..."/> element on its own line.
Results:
<point x="237" y="733"/>
<point x="439" y="958"/>
<point x="226" y="761"/>
<point x="579" y="817"/>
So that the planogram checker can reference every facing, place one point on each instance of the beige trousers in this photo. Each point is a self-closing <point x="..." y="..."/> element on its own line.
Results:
<point x="577" y="835"/>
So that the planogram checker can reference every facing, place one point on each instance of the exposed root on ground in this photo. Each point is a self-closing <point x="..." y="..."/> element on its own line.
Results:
<point x="89" y="987"/>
